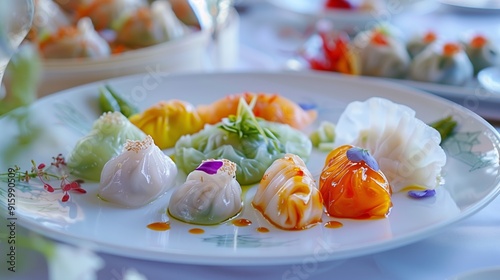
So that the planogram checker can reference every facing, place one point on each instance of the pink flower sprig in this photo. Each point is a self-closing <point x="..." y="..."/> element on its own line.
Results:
<point x="56" y="170"/>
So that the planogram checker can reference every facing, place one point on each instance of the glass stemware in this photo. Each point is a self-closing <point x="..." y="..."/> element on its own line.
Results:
<point x="16" y="17"/>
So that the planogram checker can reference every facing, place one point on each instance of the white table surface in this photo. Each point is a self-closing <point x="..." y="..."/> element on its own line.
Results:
<point x="471" y="244"/>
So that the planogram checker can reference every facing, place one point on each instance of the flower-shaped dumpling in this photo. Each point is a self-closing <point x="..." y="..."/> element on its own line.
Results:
<point x="139" y="175"/>
<point x="210" y="195"/>
<point x="406" y="149"/>
<point x="287" y="195"/>
<point x="444" y="64"/>
<point x="352" y="185"/>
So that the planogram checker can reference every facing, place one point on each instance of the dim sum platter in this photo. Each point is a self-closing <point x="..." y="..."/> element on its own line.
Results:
<point x="54" y="124"/>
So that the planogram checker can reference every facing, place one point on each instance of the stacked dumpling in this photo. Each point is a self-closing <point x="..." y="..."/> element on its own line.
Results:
<point x="210" y="195"/>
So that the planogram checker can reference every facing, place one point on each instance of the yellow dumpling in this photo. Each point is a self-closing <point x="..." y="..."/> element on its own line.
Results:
<point x="167" y="121"/>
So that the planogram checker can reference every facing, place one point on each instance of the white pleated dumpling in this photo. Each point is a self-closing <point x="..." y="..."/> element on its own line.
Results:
<point x="210" y="195"/>
<point x="139" y="175"/>
<point x="406" y="149"/>
<point x="287" y="195"/>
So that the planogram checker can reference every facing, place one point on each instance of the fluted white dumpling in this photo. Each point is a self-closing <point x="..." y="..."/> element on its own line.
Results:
<point x="210" y="195"/>
<point x="287" y="195"/>
<point x="406" y="149"/>
<point x="139" y="175"/>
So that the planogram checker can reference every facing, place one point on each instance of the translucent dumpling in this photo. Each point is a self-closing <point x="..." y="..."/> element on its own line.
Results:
<point x="352" y="185"/>
<point x="75" y="42"/>
<point x="442" y="63"/>
<point x="381" y="53"/>
<point x="406" y="149"/>
<point x="482" y="52"/>
<point x="139" y="175"/>
<point x="253" y="144"/>
<point x="210" y="195"/>
<point x="106" y="140"/>
<point x="104" y="13"/>
<point x="287" y="195"/>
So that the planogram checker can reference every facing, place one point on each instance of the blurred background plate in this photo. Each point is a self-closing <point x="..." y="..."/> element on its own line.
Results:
<point x="186" y="54"/>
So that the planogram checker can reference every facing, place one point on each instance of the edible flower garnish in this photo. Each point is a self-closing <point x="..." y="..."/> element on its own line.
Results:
<point x="356" y="154"/>
<point x="56" y="170"/>
<point x="421" y="193"/>
<point x="210" y="167"/>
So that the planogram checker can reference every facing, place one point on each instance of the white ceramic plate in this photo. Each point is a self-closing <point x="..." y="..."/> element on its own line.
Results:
<point x="53" y="125"/>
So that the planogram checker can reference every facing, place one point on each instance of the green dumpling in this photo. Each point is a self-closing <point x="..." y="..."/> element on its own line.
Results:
<point x="252" y="143"/>
<point x="106" y="140"/>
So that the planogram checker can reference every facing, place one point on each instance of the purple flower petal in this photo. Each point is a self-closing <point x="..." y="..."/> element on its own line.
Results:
<point x="356" y="154"/>
<point x="422" y="194"/>
<point x="210" y="167"/>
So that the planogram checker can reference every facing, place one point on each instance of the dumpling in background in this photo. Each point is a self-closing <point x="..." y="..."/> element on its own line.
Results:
<point x="106" y="140"/>
<point x="287" y="195"/>
<point x="381" y="53"/>
<point x="167" y="121"/>
<point x="482" y="52"/>
<point x="210" y="195"/>
<point x="406" y="149"/>
<point x="442" y="63"/>
<point x="104" y="12"/>
<point x="419" y="42"/>
<point x="71" y="5"/>
<point x="139" y="175"/>
<point x="81" y="41"/>
<point x="148" y="26"/>
<point x="48" y="19"/>
<point x="353" y="186"/>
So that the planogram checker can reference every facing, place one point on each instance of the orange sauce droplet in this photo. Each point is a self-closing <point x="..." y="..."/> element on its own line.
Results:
<point x="333" y="224"/>
<point x="159" y="226"/>
<point x="242" y="222"/>
<point x="262" y="229"/>
<point x="196" y="231"/>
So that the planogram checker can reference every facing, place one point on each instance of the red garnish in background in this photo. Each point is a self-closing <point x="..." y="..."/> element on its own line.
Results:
<point x="379" y="38"/>
<point x="430" y="37"/>
<point x="339" y="4"/>
<point x="450" y="49"/>
<point x="478" y="41"/>
<point x="333" y="55"/>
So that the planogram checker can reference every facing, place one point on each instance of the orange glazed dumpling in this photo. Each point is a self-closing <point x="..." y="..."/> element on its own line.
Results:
<point x="353" y="186"/>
